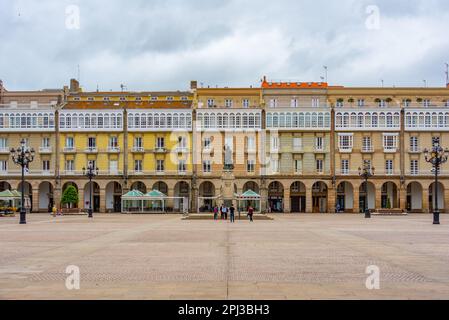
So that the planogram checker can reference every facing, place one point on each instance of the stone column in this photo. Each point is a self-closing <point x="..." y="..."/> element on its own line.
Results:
<point x="356" y="200"/>
<point x="35" y="200"/>
<point x="170" y="203"/>
<point x="425" y="200"/>
<point x="331" y="200"/>
<point x="378" y="197"/>
<point x="81" y="203"/>
<point x="194" y="200"/>
<point x="102" y="200"/>
<point x="309" y="203"/>
<point x="403" y="198"/>
<point x="446" y="201"/>
<point x="263" y="199"/>
<point x="287" y="201"/>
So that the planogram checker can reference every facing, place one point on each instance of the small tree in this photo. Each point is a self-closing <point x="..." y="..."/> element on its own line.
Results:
<point x="70" y="196"/>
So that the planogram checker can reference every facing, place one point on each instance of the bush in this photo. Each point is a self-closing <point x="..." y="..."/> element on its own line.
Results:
<point x="70" y="196"/>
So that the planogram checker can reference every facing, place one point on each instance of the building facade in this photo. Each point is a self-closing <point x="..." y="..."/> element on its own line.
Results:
<point x="298" y="145"/>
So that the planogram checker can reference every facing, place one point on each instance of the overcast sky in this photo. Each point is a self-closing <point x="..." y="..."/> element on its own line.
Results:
<point x="163" y="44"/>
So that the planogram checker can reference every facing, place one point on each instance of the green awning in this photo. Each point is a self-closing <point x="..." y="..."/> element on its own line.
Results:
<point x="155" y="194"/>
<point x="250" y="194"/>
<point x="133" y="194"/>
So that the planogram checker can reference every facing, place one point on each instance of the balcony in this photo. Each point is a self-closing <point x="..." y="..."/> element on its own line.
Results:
<point x="137" y="150"/>
<point x="367" y="149"/>
<point x="181" y="150"/>
<point x="414" y="150"/>
<point x="160" y="150"/>
<point x="390" y="150"/>
<point x="4" y="150"/>
<point x="69" y="150"/>
<point x="91" y="150"/>
<point x="113" y="149"/>
<point x="45" y="150"/>
<point x="345" y="149"/>
<point x="298" y="149"/>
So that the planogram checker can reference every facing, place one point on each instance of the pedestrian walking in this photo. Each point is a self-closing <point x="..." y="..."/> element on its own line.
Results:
<point x="224" y="214"/>
<point x="250" y="213"/>
<point x="215" y="212"/>
<point x="232" y="213"/>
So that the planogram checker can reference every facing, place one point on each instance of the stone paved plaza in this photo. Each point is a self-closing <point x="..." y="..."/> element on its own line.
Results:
<point x="164" y="257"/>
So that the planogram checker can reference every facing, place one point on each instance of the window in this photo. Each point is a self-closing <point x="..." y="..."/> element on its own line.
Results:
<point x="91" y="143"/>
<point x="367" y="145"/>
<point x="228" y="103"/>
<point x="106" y="99"/>
<point x="113" y="167"/>
<point x="69" y="165"/>
<point x="182" y="142"/>
<point x="206" y="166"/>
<point x="273" y="103"/>
<point x="69" y="143"/>
<point x="319" y="143"/>
<point x="46" y="165"/>
<point x="160" y="165"/>
<point x="344" y="166"/>
<point x="91" y="163"/>
<point x="182" y="166"/>
<point x="414" y="144"/>
<point x="426" y="103"/>
<point x="294" y="103"/>
<point x="245" y="103"/>
<point x="160" y="143"/>
<point x="138" y="166"/>
<point x="345" y="142"/>
<point x="367" y="163"/>
<point x="170" y="98"/>
<point x="274" y="144"/>
<point x="389" y="167"/>
<point x="113" y="142"/>
<point x="210" y="103"/>
<point x="298" y="166"/>
<point x="207" y="143"/>
<point x="46" y="142"/>
<point x="3" y="144"/>
<point x="138" y="98"/>
<point x="297" y="144"/>
<point x="319" y="166"/>
<point x="390" y="143"/>
<point x="435" y="141"/>
<point x="360" y="102"/>
<point x="250" y="144"/>
<point x="138" y="143"/>
<point x="250" y="166"/>
<point x="3" y="165"/>
<point x="406" y="103"/>
<point x="340" y="104"/>
<point x="414" y="169"/>
<point x="274" y="165"/>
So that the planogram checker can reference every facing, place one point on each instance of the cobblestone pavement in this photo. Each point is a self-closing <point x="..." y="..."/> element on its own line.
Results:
<point x="163" y="257"/>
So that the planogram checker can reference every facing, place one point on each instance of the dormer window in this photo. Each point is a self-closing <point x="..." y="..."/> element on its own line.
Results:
<point x="184" y="98"/>
<point x="106" y="99"/>
<point x="228" y="103"/>
<point x="153" y="98"/>
<point x="122" y="99"/>
<point x="169" y="98"/>
<point x="210" y="103"/>
<point x="90" y="99"/>
<point x="76" y="99"/>
<point x="138" y="98"/>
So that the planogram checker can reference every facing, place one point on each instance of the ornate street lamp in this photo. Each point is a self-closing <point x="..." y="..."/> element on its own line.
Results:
<point x="437" y="156"/>
<point x="22" y="156"/>
<point x="91" y="172"/>
<point x="366" y="172"/>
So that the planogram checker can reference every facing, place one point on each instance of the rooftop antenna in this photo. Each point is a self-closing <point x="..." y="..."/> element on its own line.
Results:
<point x="122" y="86"/>
<point x="425" y="83"/>
<point x="79" y="74"/>
<point x="97" y="88"/>
<point x="325" y="73"/>
<point x="382" y="81"/>
<point x="447" y="73"/>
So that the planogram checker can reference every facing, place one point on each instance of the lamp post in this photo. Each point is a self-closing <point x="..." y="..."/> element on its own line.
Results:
<point x="437" y="156"/>
<point x="91" y="172"/>
<point x="22" y="156"/>
<point x="366" y="172"/>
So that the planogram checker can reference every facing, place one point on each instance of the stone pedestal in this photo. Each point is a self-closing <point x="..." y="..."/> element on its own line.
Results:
<point x="227" y="187"/>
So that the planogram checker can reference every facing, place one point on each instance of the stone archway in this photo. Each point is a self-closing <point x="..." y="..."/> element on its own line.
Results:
<point x="4" y="185"/>
<point x="389" y="198"/>
<point x="161" y="187"/>
<point x="345" y="197"/>
<point x="367" y="197"/>
<point x="113" y="197"/>
<point x="276" y="197"/>
<point x="414" y="197"/>
<point x="440" y="198"/>
<point x="182" y="190"/>
<point x="319" y="197"/>
<point x="298" y="197"/>
<point x="46" y="200"/>
<point x="96" y="200"/>
<point x="251" y="185"/>
<point x="206" y="193"/>
<point x="139" y="186"/>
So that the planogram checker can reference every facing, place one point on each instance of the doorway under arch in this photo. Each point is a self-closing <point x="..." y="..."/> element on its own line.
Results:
<point x="298" y="197"/>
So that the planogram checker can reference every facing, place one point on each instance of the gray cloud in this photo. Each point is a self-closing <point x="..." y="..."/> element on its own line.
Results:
<point x="156" y="44"/>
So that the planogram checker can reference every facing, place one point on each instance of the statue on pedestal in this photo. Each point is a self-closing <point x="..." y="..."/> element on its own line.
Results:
<point x="228" y="163"/>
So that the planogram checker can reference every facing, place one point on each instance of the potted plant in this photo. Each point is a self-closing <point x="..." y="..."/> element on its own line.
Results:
<point x="70" y="197"/>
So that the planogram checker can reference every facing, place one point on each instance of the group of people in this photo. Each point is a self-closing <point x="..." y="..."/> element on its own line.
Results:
<point x="224" y="211"/>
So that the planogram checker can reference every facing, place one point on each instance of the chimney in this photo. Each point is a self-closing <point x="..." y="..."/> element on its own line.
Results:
<point x="74" y="85"/>
<point x="193" y="85"/>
